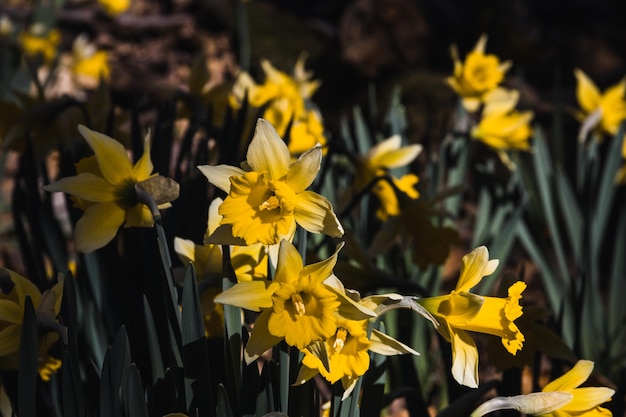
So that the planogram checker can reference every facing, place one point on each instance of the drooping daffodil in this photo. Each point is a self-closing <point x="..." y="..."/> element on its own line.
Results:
<point x="296" y="306"/>
<point x="478" y="75"/>
<point x="559" y="398"/>
<point x="105" y="187"/>
<point x="602" y="111"/>
<point x="14" y="289"/>
<point x="269" y="197"/>
<point x="462" y="311"/>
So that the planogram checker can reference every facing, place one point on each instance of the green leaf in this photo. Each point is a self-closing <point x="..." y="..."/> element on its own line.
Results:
<point x="27" y="371"/>
<point x="134" y="398"/>
<point x="571" y="212"/>
<point x="223" y="404"/>
<point x="156" y="360"/>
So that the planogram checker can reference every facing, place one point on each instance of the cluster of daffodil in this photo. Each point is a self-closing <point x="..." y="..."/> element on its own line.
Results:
<point x="477" y="81"/>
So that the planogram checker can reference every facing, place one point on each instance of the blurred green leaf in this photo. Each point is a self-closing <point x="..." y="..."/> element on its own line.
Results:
<point x="156" y="360"/>
<point x="134" y="397"/>
<point x="27" y="371"/>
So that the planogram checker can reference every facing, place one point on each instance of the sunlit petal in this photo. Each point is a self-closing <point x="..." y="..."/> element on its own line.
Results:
<point x="260" y="338"/>
<point x="86" y="186"/>
<point x="387" y="345"/>
<point x="588" y="398"/>
<point x="98" y="226"/>
<point x="572" y="379"/>
<point x="314" y="213"/>
<point x="143" y="168"/>
<point x="586" y="91"/>
<point x="251" y="295"/>
<point x="219" y="175"/>
<point x="268" y="152"/>
<point x="464" y="359"/>
<point x="111" y="155"/>
<point x="185" y="249"/>
<point x="302" y="172"/>
<point x="289" y="263"/>
<point x="475" y="266"/>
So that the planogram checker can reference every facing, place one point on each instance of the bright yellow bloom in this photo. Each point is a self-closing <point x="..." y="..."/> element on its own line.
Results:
<point x="501" y="127"/>
<point x="478" y="75"/>
<point x="13" y="291"/>
<point x="605" y="111"/>
<point x="114" y="7"/>
<point x="560" y="398"/>
<point x="296" y="306"/>
<point x="88" y="63"/>
<point x="265" y="203"/>
<point x="39" y="42"/>
<point x="105" y="189"/>
<point x="462" y="311"/>
<point x="386" y="155"/>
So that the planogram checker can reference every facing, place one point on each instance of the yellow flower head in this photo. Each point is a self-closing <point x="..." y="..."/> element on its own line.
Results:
<point x="38" y="41"/>
<point x="105" y="189"/>
<point x="607" y="110"/>
<point x="501" y="127"/>
<point x="386" y="155"/>
<point x="478" y="75"/>
<point x="114" y="7"/>
<point x="461" y="311"/>
<point x="560" y="398"/>
<point x="266" y="201"/>
<point x="296" y="306"/>
<point x="13" y="291"/>
<point x="89" y="63"/>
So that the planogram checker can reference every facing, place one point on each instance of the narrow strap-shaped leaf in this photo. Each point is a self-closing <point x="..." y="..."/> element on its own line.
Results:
<point x="571" y="212"/>
<point x="223" y="404"/>
<point x="156" y="360"/>
<point x="617" y="283"/>
<point x="27" y="371"/>
<point x="134" y="398"/>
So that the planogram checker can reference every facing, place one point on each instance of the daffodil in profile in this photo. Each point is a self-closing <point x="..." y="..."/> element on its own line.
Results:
<point x="479" y="74"/>
<point x="268" y="198"/>
<point x="377" y="162"/>
<point x="462" y="311"/>
<point x="603" y="111"/>
<point x="105" y="188"/>
<point x="560" y="398"/>
<point x="14" y="289"/>
<point x="296" y="306"/>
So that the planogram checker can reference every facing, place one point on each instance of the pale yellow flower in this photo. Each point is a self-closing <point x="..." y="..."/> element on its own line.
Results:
<point x="89" y="64"/>
<point x="38" y="41"/>
<point x="478" y="75"/>
<point x="605" y="111"/>
<point x="267" y="199"/>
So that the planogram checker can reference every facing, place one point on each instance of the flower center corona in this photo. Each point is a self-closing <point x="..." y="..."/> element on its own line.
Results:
<point x="340" y="339"/>
<point x="269" y="204"/>
<point x="298" y="304"/>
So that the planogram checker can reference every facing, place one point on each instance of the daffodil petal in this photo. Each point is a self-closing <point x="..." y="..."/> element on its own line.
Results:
<point x="220" y="175"/>
<point x="213" y="218"/>
<point x="260" y="338"/>
<point x="586" y="91"/>
<point x="390" y="144"/>
<point x="87" y="186"/>
<point x="572" y="379"/>
<point x="111" y="155"/>
<point x="304" y="374"/>
<point x="98" y="226"/>
<point x="11" y="312"/>
<point x="475" y="266"/>
<point x="185" y="249"/>
<point x="481" y="44"/>
<point x="289" y="263"/>
<point x="143" y="168"/>
<point x="464" y="359"/>
<point x="314" y="213"/>
<point x="386" y="345"/>
<point x="251" y="295"/>
<point x="138" y="216"/>
<point x="324" y="268"/>
<point x="223" y="235"/>
<point x="268" y="152"/>
<point x="588" y="398"/>
<point x="10" y="340"/>
<point x="302" y="172"/>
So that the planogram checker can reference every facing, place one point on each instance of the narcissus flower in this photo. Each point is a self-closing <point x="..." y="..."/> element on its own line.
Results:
<point x="39" y="41"/>
<point x="461" y="311"/>
<point x="114" y="7"/>
<point x="604" y="111"/>
<point x="89" y="64"/>
<point x="560" y="398"/>
<point x="13" y="291"/>
<point x="296" y="306"/>
<point x="386" y="155"/>
<point x="104" y="188"/>
<point x="478" y="75"/>
<point x="268" y="199"/>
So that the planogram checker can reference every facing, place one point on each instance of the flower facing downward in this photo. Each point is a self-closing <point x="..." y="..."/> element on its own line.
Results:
<point x="560" y="398"/>
<point x="461" y="311"/>
<point x="104" y="188"/>
<point x="605" y="111"/>
<point x="478" y="75"/>
<point x="265" y="203"/>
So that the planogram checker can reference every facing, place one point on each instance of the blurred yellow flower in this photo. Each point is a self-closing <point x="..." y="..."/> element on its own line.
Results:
<point x="114" y="7"/>
<point x="265" y="203"/>
<point x="6" y="26"/>
<point x="296" y="306"/>
<point x="604" y="111"/>
<point x="104" y="188"/>
<point x="620" y="177"/>
<point x="461" y="311"/>
<point x="478" y="75"/>
<point x="13" y="291"/>
<point x="560" y="398"/>
<point x="38" y="41"/>
<point x="89" y="64"/>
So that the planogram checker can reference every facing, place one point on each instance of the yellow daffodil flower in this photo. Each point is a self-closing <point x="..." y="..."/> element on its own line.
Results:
<point x="501" y="127"/>
<point x="386" y="155"/>
<point x="13" y="291"/>
<point x="266" y="201"/>
<point x="114" y="7"/>
<point x="104" y="188"/>
<point x="296" y="306"/>
<point x="478" y="75"/>
<point x="89" y="64"/>
<point x="560" y="398"/>
<point x="38" y="41"/>
<point x="620" y="177"/>
<point x="462" y="311"/>
<point x="604" y="111"/>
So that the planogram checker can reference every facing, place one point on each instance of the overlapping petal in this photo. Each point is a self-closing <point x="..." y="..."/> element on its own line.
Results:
<point x="86" y="186"/>
<point x="110" y="154"/>
<point x="219" y="175"/>
<point x="268" y="152"/>
<point x="98" y="226"/>
<point x="314" y="213"/>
